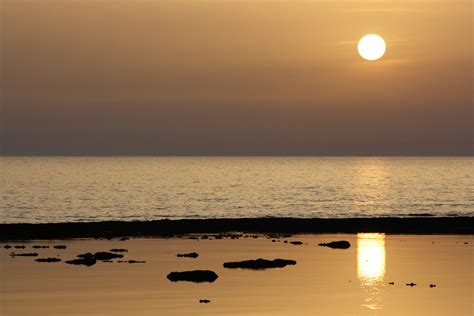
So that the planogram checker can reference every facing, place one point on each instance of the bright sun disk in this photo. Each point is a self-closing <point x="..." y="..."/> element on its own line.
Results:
<point x="371" y="47"/>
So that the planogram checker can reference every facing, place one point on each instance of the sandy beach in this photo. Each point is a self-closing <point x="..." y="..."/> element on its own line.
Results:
<point x="354" y="281"/>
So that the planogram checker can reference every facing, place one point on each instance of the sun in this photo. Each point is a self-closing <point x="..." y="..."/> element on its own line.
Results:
<point x="371" y="47"/>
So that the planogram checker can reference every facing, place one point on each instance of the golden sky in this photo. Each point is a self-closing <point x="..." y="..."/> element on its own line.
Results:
<point x="236" y="77"/>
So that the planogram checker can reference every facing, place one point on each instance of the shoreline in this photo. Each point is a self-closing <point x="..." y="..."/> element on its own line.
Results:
<point x="168" y="228"/>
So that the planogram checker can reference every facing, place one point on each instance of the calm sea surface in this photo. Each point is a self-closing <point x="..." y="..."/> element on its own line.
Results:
<point x="66" y="189"/>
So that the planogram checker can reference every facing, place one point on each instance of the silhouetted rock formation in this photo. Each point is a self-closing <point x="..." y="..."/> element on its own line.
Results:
<point x="30" y="254"/>
<point x="102" y="255"/>
<point x="20" y="247"/>
<point x="341" y="244"/>
<point x="411" y="284"/>
<point x="259" y="264"/>
<point x="188" y="255"/>
<point x="296" y="242"/>
<point x="86" y="259"/>
<point x="432" y="285"/>
<point x="124" y="238"/>
<point x="288" y="226"/>
<point x="204" y="301"/>
<point x="391" y="283"/>
<point x="39" y="247"/>
<point x="7" y="246"/>
<point x="193" y="276"/>
<point x="60" y="247"/>
<point x="48" y="260"/>
<point x="119" y="250"/>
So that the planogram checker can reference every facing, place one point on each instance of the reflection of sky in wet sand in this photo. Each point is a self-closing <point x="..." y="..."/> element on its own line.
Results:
<point x="371" y="267"/>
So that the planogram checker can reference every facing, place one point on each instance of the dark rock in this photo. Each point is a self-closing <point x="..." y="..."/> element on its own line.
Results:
<point x="188" y="255"/>
<point x="124" y="238"/>
<point x="259" y="264"/>
<point x="86" y="259"/>
<point x="48" y="260"/>
<point x="20" y="247"/>
<point x="411" y="284"/>
<point x="193" y="238"/>
<point x="273" y="240"/>
<point x="31" y="254"/>
<point x="341" y="244"/>
<point x="285" y="241"/>
<point x="119" y="250"/>
<point x="130" y="261"/>
<point x="205" y="237"/>
<point x="39" y="247"/>
<point x="466" y="243"/>
<point x="204" y="301"/>
<point x="102" y="255"/>
<point x="391" y="283"/>
<point x="7" y="246"/>
<point x="432" y="285"/>
<point x="193" y="276"/>
<point x="296" y="242"/>
<point x="60" y="247"/>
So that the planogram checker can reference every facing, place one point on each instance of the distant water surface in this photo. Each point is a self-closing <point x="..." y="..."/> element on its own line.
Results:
<point x="65" y="189"/>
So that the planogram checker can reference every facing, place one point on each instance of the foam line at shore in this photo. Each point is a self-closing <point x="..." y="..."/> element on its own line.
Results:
<point x="416" y="225"/>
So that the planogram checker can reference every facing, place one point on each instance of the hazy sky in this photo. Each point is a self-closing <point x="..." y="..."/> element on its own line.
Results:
<point x="225" y="77"/>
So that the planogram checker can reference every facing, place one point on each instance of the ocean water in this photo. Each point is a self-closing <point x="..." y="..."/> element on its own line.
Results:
<point x="72" y="189"/>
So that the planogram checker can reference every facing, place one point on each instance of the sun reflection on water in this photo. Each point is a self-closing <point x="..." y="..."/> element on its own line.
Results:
<point x="371" y="267"/>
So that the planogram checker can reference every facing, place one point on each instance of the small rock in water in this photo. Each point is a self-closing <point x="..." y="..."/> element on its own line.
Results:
<point x="20" y="247"/>
<point x="124" y="238"/>
<point x="391" y="283"/>
<point x="432" y="285"/>
<point x="7" y="246"/>
<point x="341" y="244"/>
<point x="102" y="255"/>
<point x="86" y="259"/>
<point x="411" y="284"/>
<point x="130" y="261"/>
<point x="196" y="276"/>
<point x="204" y="301"/>
<point x="119" y="250"/>
<point x="188" y="255"/>
<point x="48" y="260"/>
<point x="296" y="242"/>
<point x="39" y="247"/>
<point x="31" y="254"/>
<point x="259" y="264"/>
<point x="60" y="247"/>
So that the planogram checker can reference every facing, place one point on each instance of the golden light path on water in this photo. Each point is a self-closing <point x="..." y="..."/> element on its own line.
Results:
<point x="371" y="267"/>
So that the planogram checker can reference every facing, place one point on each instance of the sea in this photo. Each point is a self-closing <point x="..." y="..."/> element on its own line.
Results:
<point x="86" y="189"/>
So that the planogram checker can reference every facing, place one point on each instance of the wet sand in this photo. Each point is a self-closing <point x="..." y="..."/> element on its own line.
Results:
<point x="324" y="281"/>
